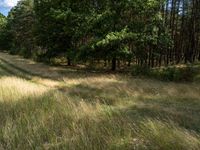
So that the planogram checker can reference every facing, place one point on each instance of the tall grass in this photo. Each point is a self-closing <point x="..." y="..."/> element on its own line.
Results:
<point x="74" y="110"/>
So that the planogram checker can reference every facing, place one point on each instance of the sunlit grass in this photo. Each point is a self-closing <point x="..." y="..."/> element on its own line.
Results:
<point x="13" y="89"/>
<point x="77" y="110"/>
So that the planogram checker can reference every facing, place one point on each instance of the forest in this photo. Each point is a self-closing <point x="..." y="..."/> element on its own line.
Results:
<point x="147" y="33"/>
<point x="100" y="75"/>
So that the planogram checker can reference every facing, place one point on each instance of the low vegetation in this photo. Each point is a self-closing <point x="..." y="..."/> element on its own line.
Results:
<point x="178" y="73"/>
<point x="41" y="108"/>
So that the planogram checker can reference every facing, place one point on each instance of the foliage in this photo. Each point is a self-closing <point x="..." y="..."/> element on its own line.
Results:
<point x="187" y="73"/>
<point x="140" y="71"/>
<point x="101" y="30"/>
<point x="20" y="25"/>
<point x="176" y="74"/>
<point x="149" y="33"/>
<point x="4" y="35"/>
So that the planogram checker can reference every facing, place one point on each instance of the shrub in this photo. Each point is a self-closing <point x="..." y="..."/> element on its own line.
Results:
<point x="176" y="74"/>
<point x="167" y="74"/>
<point x="140" y="70"/>
<point x="25" y="53"/>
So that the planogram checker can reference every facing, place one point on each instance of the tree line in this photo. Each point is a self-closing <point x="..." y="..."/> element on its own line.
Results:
<point x="115" y="33"/>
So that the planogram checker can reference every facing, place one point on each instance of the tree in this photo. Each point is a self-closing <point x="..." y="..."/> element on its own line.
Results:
<point x="21" y="22"/>
<point x="148" y="33"/>
<point x="4" y="35"/>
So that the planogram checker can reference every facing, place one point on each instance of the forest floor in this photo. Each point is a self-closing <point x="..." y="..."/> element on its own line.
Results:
<point x="44" y="107"/>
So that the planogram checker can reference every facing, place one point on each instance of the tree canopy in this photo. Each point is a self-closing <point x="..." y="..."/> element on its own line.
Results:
<point x="147" y="33"/>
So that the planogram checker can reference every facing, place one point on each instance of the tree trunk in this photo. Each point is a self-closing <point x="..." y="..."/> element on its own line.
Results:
<point x="114" y="63"/>
<point x="68" y="61"/>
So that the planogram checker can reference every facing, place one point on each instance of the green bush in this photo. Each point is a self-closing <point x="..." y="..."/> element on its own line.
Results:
<point x="140" y="70"/>
<point x="187" y="74"/>
<point x="167" y="74"/>
<point x="25" y="53"/>
<point x="176" y="74"/>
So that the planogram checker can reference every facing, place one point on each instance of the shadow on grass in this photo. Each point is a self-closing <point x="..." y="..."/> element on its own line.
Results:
<point x="32" y="121"/>
<point x="183" y="112"/>
<point x="105" y="95"/>
<point x="45" y="122"/>
<point x="53" y="73"/>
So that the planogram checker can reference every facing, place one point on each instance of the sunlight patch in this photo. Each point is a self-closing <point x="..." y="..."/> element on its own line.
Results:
<point x="13" y="88"/>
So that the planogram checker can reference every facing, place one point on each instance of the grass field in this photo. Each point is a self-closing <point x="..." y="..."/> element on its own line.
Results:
<point x="43" y="107"/>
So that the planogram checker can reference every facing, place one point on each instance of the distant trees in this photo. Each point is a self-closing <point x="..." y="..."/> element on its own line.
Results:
<point x="147" y="33"/>
<point x="21" y="24"/>
<point x="182" y="17"/>
<point x="4" y="38"/>
<point x="101" y="30"/>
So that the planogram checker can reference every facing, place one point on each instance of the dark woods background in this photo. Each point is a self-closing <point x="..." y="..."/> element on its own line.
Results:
<point x="106" y="33"/>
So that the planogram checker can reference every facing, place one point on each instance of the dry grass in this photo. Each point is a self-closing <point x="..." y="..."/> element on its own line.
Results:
<point x="45" y="107"/>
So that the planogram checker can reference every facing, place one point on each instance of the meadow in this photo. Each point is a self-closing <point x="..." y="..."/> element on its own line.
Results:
<point x="46" y="107"/>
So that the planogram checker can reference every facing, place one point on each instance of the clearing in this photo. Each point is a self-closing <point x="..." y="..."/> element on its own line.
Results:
<point x="43" y="107"/>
